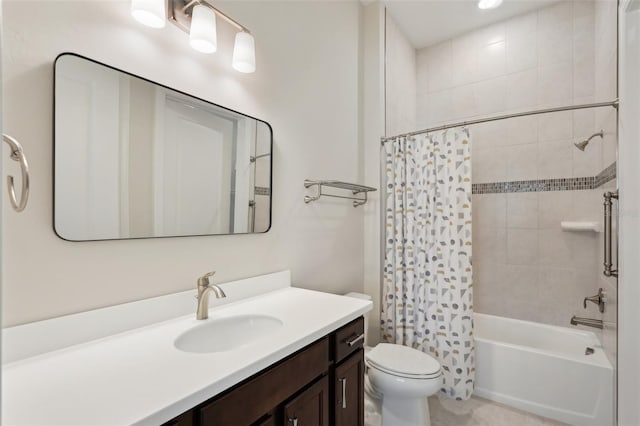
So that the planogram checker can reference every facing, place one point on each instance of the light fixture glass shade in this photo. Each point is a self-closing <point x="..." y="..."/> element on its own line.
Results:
<point x="149" y="12"/>
<point x="202" y="35"/>
<point x="489" y="4"/>
<point x="244" y="53"/>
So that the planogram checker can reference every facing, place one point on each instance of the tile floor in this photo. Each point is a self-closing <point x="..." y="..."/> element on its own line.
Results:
<point x="474" y="412"/>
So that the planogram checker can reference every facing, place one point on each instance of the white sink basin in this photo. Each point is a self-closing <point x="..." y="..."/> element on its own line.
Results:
<point x="226" y="334"/>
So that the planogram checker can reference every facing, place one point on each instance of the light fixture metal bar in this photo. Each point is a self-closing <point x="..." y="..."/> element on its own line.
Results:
<point x="226" y="17"/>
<point x="179" y="13"/>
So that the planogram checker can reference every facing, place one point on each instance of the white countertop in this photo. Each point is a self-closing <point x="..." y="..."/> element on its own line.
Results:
<point x="139" y="377"/>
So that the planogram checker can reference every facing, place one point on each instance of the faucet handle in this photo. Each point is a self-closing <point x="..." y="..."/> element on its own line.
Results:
<point x="599" y="299"/>
<point x="204" y="280"/>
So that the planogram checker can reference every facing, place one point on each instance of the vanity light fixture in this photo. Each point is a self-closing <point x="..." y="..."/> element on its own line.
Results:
<point x="202" y="35"/>
<point x="149" y="12"/>
<point x="489" y="4"/>
<point x="198" y="19"/>
<point x="244" y="56"/>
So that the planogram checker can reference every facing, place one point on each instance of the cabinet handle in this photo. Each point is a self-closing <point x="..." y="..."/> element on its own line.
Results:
<point x="293" y="421"/>
<point x="355" y="339"/>
<point x="344" y="392"/>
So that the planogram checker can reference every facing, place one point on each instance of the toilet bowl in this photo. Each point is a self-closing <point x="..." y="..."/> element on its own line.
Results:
<point x="399" y="379"/>
<point x="402" y="378"/>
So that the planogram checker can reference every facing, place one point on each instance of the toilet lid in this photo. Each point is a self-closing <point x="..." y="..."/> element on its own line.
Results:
<point x="403" y="361"/>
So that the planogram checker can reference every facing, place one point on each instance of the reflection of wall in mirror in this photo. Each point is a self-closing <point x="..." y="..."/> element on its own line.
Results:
<point x="139" y="142"/>
<point x="262" y="179"/>
<point x="87" y="163"/>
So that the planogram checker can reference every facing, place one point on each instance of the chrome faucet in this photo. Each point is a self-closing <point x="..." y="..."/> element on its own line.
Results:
<point x="205" y="286"/>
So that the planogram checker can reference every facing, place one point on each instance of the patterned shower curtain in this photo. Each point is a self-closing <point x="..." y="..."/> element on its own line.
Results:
<point x="427" y="284"/>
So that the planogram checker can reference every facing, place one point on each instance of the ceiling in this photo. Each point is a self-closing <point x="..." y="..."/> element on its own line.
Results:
<point x="427" y="22"/>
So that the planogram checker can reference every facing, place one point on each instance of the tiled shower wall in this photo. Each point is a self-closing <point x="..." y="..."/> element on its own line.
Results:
<point x="525" y="266"/>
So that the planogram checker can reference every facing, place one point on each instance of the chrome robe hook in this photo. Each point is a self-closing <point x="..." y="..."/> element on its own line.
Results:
<point x="18" y="155"/>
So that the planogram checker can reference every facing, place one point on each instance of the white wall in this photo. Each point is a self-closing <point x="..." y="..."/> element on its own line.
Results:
<point x="306" y="85"/>
<point x="399" y="80"/>
<point x="373" y="124"/>
<point x="388" y="107"/>
<point x="2" y="200"/>
<point x="629" y="216"/>
<point x="605" y="87"/>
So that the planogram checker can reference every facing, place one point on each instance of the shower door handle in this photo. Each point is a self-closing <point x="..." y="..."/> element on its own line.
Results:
<point x="608" y="234"/>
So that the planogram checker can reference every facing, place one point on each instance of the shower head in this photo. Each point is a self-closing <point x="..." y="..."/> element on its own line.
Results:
<point x="583" y="143"/>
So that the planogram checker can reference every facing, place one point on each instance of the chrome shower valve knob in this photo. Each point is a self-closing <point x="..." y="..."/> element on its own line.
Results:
<point x="599" y="299"/>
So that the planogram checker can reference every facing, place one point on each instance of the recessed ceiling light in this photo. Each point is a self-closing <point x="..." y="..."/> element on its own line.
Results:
<point x="489" y="4"/>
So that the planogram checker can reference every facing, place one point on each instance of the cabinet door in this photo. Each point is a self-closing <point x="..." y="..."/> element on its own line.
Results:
<point x="311" y="407"/>
<point x="349" y="391"/>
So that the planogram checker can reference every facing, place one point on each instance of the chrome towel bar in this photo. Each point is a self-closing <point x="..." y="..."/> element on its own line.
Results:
<point x="354" y="188"/>
<point x="17" y="154"/>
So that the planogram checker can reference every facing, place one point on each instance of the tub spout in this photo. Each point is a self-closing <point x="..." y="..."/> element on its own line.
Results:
<point x="589" y="322"/>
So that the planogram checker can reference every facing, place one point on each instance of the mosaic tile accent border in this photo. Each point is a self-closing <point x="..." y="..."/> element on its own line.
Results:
<point x="262" y="190"/>
<point x="544" y="185"/>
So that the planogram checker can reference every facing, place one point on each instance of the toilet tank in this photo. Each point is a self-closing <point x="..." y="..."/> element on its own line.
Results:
<point x="366" y="315"/>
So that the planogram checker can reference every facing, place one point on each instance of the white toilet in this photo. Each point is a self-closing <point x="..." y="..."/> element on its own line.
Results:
<point x="401" y="378"/>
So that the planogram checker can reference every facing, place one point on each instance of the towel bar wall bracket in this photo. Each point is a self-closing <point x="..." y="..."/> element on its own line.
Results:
<point x="17" y="154"/>
<point x="354" y="188"/>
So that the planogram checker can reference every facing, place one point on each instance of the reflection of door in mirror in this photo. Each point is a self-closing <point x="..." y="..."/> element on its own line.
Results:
<point x="134" y="159"/>
<point x="262" y="179"/>
<point x="191" y="144"/>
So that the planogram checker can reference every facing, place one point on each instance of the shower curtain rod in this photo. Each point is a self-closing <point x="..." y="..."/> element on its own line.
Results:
<point x="613" y="104"/>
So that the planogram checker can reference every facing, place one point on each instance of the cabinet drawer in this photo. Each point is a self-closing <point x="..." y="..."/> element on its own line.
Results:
<point x="348" y="339"/>
<point x="247" y="403"/>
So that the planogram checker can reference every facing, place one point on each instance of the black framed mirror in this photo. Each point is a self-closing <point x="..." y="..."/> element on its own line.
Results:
<point x="136" y="159"/>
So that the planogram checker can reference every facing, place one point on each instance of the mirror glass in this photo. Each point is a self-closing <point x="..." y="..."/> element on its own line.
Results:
<point x="135" y="159"/>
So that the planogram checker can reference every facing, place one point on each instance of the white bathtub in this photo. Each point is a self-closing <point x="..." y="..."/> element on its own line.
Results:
<point x="543" y="369"/>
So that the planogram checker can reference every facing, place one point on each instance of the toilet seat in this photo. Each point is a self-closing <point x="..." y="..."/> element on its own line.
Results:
<point x="403" y="361"/>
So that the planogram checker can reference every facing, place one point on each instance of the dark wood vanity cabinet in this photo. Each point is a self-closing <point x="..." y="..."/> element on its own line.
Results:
<point x="349" y="391"/>
<point x="320" y="385"/>
<point x="311" y="407"/>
